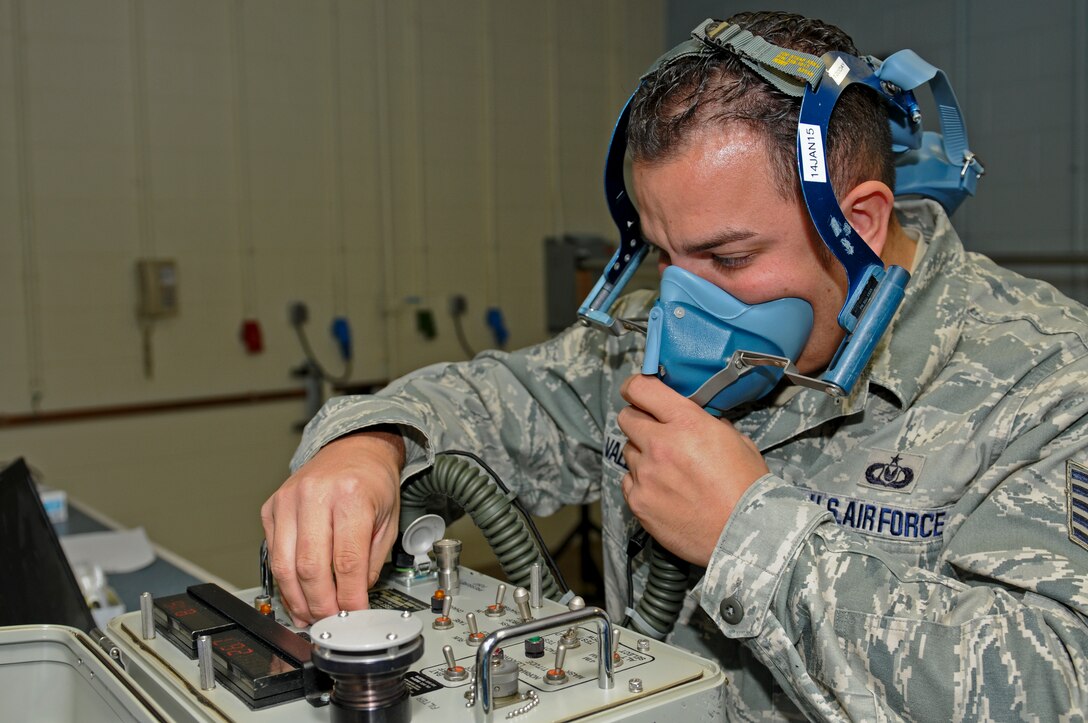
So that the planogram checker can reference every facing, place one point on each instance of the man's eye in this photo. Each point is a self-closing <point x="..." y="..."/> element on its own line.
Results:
<point x="732" y="262"/>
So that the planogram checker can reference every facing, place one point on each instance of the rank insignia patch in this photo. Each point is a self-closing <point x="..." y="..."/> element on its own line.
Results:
<point x="1076" y="487"/>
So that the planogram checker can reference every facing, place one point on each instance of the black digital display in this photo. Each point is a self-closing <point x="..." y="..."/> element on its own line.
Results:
<point x="253" y="671"/>
<point x="259" y="660"/>
<point x="182" y="620"/>
<point x="261" y="627"/>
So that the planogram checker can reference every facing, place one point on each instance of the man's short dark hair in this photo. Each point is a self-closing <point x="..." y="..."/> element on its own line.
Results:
<point x="720" y="89"/>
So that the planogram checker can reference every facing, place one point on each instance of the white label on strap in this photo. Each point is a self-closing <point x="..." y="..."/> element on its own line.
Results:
<point x="811" y="147"/>
<point x="838" y="71"/>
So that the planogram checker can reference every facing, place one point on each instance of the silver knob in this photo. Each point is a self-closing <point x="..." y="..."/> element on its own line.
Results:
<point x="447" y="555"/>
<point x="521" y="599"/>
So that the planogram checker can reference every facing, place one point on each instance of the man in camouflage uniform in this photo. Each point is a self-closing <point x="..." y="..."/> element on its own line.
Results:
<point x="916" y="550"/>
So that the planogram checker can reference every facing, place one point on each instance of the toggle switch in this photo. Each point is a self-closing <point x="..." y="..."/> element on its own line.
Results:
<point x="453" y="672"/>
<point x="443" y="622"/>
<point x="557" y="675"/>
<point x="570" y="638"/>
<point x="474" y="637"/>
<point x="498" y="609"/>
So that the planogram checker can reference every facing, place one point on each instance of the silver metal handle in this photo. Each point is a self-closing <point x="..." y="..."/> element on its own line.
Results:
<point x="482" y="686"/>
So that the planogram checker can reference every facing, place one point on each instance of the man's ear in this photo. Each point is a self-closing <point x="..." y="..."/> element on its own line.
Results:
<point x="868" y="207"/>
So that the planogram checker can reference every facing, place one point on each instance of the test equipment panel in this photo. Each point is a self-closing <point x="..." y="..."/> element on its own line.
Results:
<point x="429" y="649"/>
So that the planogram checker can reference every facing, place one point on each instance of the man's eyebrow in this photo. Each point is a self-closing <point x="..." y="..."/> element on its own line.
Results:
<point x="719" y="239"/>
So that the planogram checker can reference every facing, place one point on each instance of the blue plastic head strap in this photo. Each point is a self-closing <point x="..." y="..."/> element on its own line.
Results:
<point x="632" y="248"/>
<point x="873" y="295"/>
<point x="859" y="261"/>
<point x="938" y="166"/>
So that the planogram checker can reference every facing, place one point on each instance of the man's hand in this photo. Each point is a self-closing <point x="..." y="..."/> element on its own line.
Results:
<point x="337" y="514"/>
<point x="688" y="469"/>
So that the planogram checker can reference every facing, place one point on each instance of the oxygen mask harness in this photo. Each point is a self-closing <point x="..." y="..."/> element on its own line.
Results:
<point x="720" y="352"/>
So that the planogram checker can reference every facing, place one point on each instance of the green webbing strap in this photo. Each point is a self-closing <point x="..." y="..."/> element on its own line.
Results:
<point x="781" y="67"/>
<point x="787" y="70"/>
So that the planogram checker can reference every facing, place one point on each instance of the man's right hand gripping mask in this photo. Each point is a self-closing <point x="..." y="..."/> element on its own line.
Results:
<point x="709" y="346"/>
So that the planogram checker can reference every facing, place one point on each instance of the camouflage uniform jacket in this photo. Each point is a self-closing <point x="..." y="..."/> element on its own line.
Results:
<point x="911" y="555"/>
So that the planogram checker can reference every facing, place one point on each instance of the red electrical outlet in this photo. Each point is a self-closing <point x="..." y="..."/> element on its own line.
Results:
<point x="251" y="336"/>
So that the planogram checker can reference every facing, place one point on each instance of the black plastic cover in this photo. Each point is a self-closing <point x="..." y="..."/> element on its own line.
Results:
<point x="38" y="584"/>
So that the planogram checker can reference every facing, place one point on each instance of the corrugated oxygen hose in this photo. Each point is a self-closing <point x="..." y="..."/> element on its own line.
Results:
<point x="507" y="531"/>
<point x="511" y="536"/>
<point x="666" y="587"/>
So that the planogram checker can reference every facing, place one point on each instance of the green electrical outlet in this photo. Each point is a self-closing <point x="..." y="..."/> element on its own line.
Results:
<point x="425" y="323"/>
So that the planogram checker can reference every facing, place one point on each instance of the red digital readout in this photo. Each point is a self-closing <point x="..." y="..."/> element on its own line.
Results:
<point x="232" y="646"/>
<point x="179" y="608"/>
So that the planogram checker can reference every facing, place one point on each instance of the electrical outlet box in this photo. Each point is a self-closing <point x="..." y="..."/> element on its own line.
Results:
<point x="157" y="281"/>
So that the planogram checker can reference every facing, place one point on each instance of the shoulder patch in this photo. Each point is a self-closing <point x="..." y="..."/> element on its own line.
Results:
<point x="1076" y="490"/>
